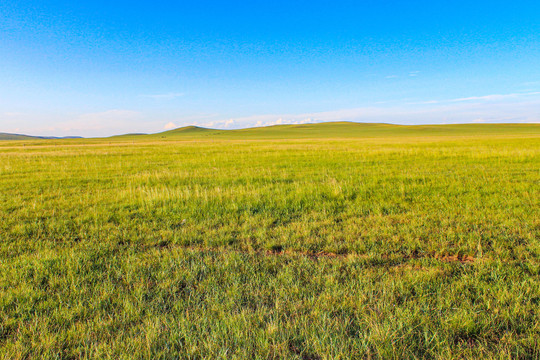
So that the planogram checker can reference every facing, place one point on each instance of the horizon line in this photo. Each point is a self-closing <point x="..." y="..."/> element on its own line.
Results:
<point x="52" y="137"/>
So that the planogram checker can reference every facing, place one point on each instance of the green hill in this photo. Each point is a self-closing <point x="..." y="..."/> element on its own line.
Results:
<point x="348" y="130"/>
<point x="326" y="130"/>
<point x="8" y="136"/>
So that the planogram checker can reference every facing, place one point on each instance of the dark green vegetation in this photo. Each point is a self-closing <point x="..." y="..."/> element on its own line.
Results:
<point x="7" y="136"/>
<point x="371" y="241"/>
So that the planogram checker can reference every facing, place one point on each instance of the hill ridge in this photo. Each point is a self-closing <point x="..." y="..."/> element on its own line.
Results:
<point x="337" y="129"/>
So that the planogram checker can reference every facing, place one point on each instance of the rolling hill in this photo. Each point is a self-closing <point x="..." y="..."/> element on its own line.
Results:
<point x="348" y="130"/>
<point x="8" y="136"/>
<point x="326" y="130"/>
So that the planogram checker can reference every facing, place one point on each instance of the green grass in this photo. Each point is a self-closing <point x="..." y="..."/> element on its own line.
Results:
<point x="330" y="241"/>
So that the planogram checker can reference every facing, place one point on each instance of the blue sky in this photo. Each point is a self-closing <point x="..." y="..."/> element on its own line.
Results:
<point x="97" y="68"/>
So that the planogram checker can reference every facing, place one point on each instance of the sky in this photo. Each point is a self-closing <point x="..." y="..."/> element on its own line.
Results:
<point x="99" y="68"/>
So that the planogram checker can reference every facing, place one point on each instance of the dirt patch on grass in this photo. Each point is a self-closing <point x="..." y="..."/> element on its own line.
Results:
<point x="464" y="259"/>
<point x="280" y="251"/>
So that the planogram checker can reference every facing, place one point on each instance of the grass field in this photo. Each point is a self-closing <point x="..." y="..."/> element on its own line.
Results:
<point x="329" y="241"/>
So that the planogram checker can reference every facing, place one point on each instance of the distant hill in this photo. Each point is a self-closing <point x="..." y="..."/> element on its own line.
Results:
<point x="7" y="136"/>
<point x="326" y="130"/>
<point x="348" y="130"/>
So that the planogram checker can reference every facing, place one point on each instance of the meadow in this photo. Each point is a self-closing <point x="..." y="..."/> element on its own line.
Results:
<point x="328" y="241"/>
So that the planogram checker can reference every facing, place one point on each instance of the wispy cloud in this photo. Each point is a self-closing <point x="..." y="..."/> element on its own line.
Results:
<point x="166" y="96"/>
<point x="488" y="109"/>
<point x="483" y="98"/>
<point x="282" y="121"/>
<point x="221" y="124"/>
<point x="494" y="97"/>
<point x="169" y="126"/>
<point x="493" y="108"/>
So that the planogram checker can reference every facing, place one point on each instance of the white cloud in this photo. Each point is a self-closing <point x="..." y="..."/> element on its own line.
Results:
<point x="525" y="109"/>
<point x="222" y="124"/>
<point x="502" y="96"/>
<point x="281" y="121"/>
<point x="512" y="107"/>
<point x="170" y="125"/>
<point x="495" y="97"/>
<point x="483" y="98"/>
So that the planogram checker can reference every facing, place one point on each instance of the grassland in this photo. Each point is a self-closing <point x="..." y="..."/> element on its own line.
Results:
<point x="331" y="241"/>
